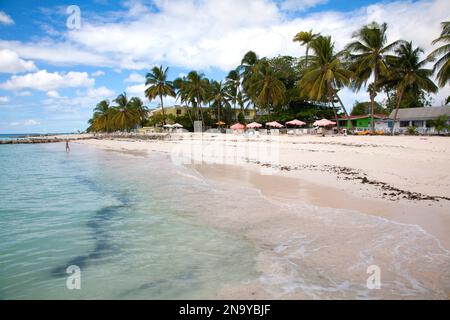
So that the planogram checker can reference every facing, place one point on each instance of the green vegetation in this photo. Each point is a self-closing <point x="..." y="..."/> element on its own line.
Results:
<point x="282" y="88"/>
<point x="440" y="124"/>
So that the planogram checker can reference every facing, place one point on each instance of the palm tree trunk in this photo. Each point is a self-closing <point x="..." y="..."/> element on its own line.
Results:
<point x="331" y="94"/>
<point x="201" y="112"/>
<point x="372" y="99"/>
<point x="345" y="111"/>
<point x="307" y="56"/>
<point x="162" y="108"/>
<point x="400" y="97"/>
<point x="335" y="114"/>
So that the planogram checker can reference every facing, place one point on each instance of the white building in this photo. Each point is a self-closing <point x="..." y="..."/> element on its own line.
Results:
<point x="418" y="117"/>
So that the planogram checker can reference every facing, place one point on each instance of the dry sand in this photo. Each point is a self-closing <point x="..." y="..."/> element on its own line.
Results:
<point x="328" y="188"/>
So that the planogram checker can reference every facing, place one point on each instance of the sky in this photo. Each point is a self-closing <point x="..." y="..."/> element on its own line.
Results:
<point x="54" y="68"/>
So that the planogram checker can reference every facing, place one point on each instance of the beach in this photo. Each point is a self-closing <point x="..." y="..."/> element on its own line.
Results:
<point x="332" y="206"/>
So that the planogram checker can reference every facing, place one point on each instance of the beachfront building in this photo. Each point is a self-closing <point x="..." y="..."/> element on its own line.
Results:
<point x="421" y="118"/>
<point x="178" y="111"/>
<point x="364" y="122"/>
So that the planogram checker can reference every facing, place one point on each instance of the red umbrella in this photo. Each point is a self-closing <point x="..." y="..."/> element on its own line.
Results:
<point x="323" y="123"/>
<point x="274" y="124"/>
<point x="254" y="125"/>
<point x="237" y="126"/>
<point x="295" y="122"/>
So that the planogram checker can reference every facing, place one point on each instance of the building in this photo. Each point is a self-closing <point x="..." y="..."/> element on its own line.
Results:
<point x="364" y="122"/>
<point x="178" y="111"/>
<point x="418" y="117"/>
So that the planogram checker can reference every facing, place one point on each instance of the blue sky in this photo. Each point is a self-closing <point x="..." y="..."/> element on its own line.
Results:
<point x="52" y="76"/>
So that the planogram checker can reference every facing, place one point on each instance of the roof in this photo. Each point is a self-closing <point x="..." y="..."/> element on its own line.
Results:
<point x="378" y="116"/>
<point x="426" y="113"/>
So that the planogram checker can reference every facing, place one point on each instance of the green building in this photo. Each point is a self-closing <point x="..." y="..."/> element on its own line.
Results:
<point x="364" y="121"/>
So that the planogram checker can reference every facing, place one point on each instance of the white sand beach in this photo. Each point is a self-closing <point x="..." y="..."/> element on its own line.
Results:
<point x="362" y="200"/>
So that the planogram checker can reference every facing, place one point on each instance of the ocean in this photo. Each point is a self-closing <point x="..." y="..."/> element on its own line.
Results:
<point x="123" y="220"/>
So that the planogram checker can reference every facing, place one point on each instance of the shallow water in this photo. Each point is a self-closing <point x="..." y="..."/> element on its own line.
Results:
<point x="123" y="220"/>
<point x="145" y="228"/>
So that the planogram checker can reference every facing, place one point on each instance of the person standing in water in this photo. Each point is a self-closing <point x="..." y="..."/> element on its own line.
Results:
<point x="67" y="146"/>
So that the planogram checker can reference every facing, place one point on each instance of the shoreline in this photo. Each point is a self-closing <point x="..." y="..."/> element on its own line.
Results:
<point x="315" y="233"/>
<point x="309" y="184"/>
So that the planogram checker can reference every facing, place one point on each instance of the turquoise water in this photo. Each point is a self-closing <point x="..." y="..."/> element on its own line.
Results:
<point x="128" y="222"/>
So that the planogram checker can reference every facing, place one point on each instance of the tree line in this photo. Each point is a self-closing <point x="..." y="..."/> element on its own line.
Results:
<point x="284" y="87"/>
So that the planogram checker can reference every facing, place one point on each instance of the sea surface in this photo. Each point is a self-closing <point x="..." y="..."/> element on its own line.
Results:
<point x="143" y="227"/>
<point x="123" y="220"/>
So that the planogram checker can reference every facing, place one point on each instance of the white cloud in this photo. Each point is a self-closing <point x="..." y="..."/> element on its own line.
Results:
<point x="136" y="91"/>
<point x="98" y="73"/>
<point x="3" y="99"/>
<point x="29" y="122"/>
<point x="5" y="19"/>
<point x="53" y="94"/>
<point x="57" y="53"/>
<point x="11" y="63"/>
<point x="84" y="99"/>
<point x="100" y="93"/>
<point x="46" y="81"/>
<point x="135" y="78"/>
<point x="300" y="5"/>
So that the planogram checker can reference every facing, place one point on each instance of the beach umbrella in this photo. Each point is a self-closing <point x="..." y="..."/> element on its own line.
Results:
<point x="238" y="126"/>
<point x="274" y="124"/>
<point x="220" y="123"/>
<point x="177" y="125"/>
<point x="254" y="125"/>
<point x="295" y="122"/>
<point x="167" y="126"/>
<point x="323" y="123"/>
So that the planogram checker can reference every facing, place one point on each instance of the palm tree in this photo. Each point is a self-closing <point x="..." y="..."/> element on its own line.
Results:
<point x="159" y="86"/>
<point x="368" y="57"/>
<point x="138" y="106"/>
<point x="196" y="91"/>
<point x="409" y="72"/>
<point x="219" y="97"/>
<point x="232" y="85"/>
<point x="265" y="88"/>
<point x="325" y="74"/>
<point x="305" y="38"/>
<point x="124" y="116"/>
<point x="443" y="63"/>
<point x="247" y="66"/>
<point x="101" y="120"/>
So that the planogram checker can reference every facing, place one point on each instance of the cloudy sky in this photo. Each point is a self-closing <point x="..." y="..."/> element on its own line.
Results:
<point x="52" y="73"/>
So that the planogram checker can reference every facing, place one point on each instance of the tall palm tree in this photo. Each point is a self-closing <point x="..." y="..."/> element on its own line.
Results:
<point x="159" y="86"/>
<point x="196" y="90"/>
<point x="124" y="116"/>
<point x="409" y="72"/>
<point x="368" y="56"/>
<point x="247" y="66"/>
<point x="326" y="73"/>
<point x="305" y="38"/>
<point x="232" y="85"/>
<point x="265" y="88"/>
<point x="219" y="97"/>
<point x="443" y="63"/>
